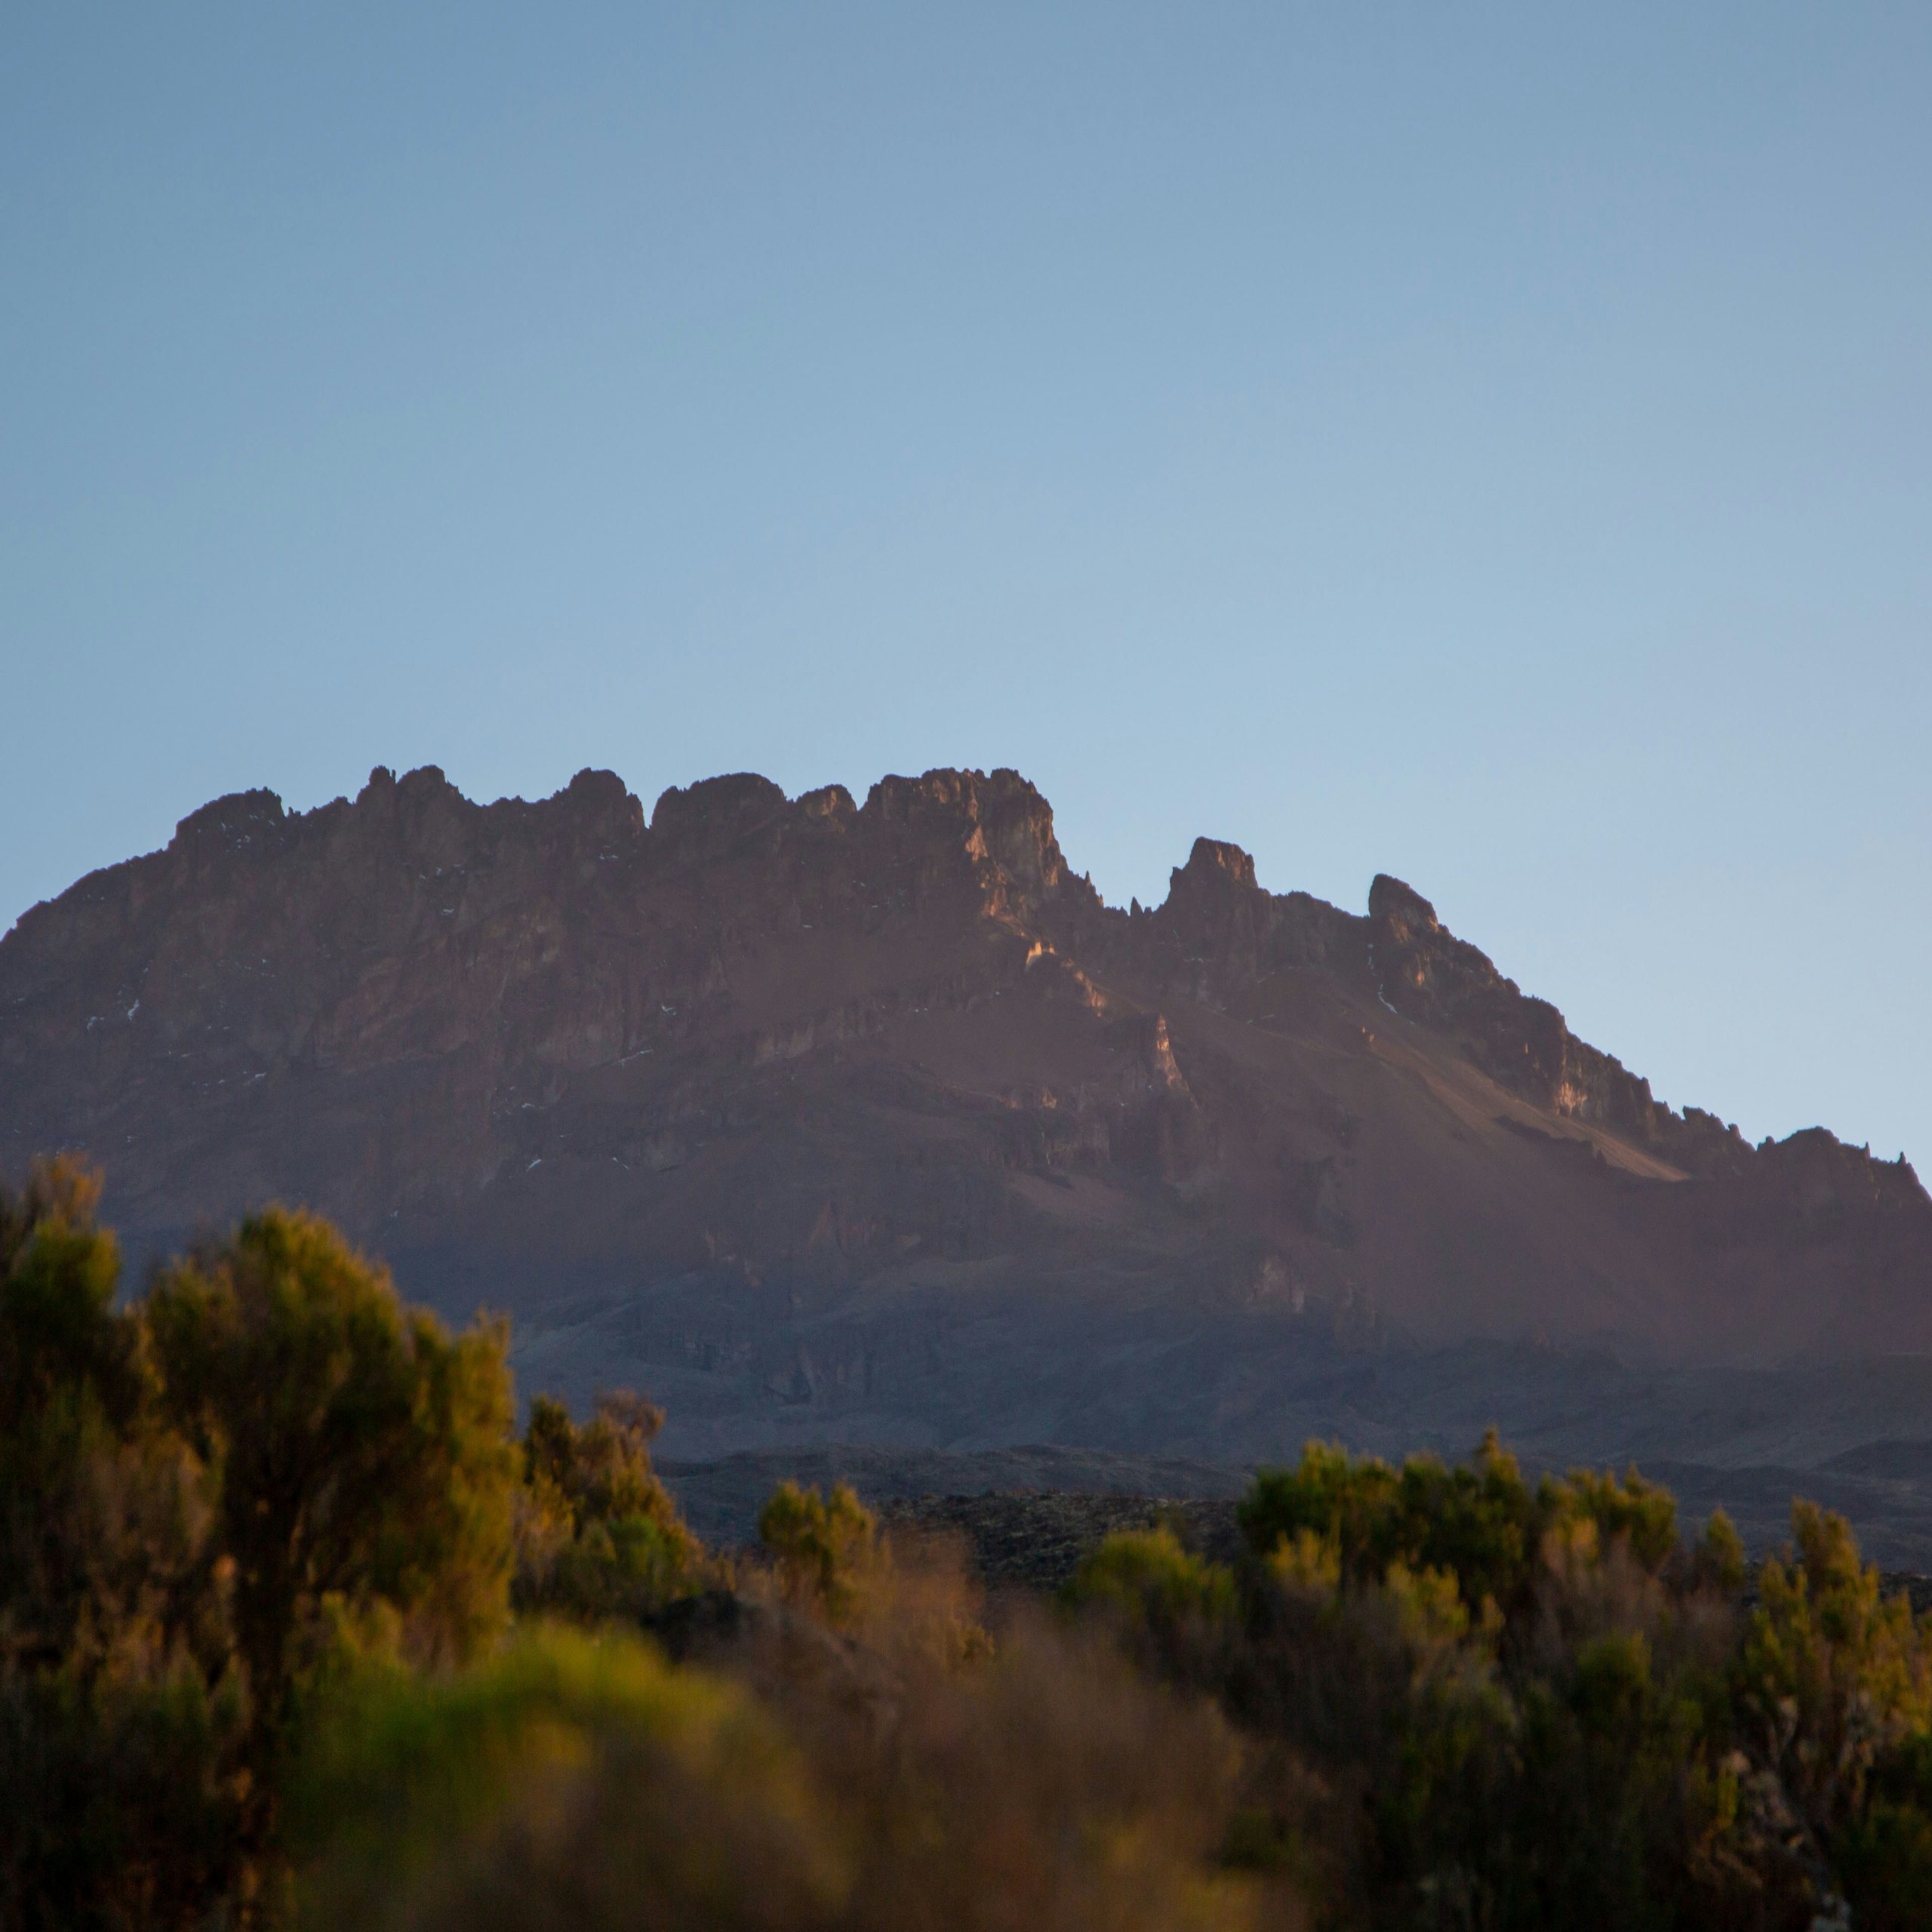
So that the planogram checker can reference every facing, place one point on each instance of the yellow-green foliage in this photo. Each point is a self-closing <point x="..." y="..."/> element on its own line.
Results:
<point x="1482" y="1524"/>
<point x="1624" y="1509"/>
<point x="1559" y="1714"/>
<point x="1305" y="1565"/>
<point x="1146" y="1576"/>
<point x="583" y="1782"/>
<point x="202" y="1499"/>
<point x="597" y="1535"/>
<point x="826" y="1549"/>
<point x="121" y="1723"/>
<point x="73" y="1390"/>
<point x="1884" y="1853"/>
<point x="1834" y="1676"/>
<point x="261" y="1526"/>
<point x="359" y="1453"/>
<point x="571" y="1781"/>
<point x="1719" y="1557"/>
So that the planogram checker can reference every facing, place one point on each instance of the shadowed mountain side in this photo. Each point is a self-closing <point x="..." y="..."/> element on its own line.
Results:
<point x="874" y="1121"/>
<point x="968" y="1366"/>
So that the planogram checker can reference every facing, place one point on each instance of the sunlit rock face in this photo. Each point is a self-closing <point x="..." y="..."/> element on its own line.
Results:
<point x="874" y="1116"/>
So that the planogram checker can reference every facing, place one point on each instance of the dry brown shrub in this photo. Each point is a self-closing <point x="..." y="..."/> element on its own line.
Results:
<point x="1047" y="1786"/>
<point x="1032" y="1778"/>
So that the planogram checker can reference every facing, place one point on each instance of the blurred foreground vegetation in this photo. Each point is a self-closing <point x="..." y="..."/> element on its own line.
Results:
<point x="297" y="1630"/>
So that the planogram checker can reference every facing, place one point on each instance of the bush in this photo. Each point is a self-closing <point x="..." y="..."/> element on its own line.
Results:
<point x="1174" y="1612"/>
<point x="359" y="1454"/>
<point x="597" y="1535"/>
<point x="1052" y="1788"/>
<point x="1148" y="1576"/>
<point x="204" y="1502"/>
<point x="825" y="1550"/>
<point x="1529" y="1706"/>
<point x="260" y="1528"/>
<point x="120" y="1725"/>
<point x="569" y="1781"/>
<point x="1833" y="1687"/>
<point x="122" y="1795"/>
<point x="77" y="1465"/>
<point x="1482" y="1523"/>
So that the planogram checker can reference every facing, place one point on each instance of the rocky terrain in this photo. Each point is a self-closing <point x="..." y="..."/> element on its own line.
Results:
<point x="870" y="1124"/>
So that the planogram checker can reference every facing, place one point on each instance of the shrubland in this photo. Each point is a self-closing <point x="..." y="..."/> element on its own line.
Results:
<point x="298" y="1628"/>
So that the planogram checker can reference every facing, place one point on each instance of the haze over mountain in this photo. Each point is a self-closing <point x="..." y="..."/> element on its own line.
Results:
<point x="872" y="1124"/>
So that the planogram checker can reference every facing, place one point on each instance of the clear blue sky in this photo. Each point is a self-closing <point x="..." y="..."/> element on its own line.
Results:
<point x="1492" y="445"/>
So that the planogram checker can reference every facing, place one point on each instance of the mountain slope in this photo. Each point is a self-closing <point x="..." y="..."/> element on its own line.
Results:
<point x="874" y="1121"/>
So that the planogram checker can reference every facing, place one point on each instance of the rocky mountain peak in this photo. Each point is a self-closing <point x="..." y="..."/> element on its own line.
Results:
<point x="1214" y="866"/>
<point x="998" y="819"/>
<point x="602" y="804"/>
<point x="226" y="820"/>
<point x="825" y="1047"/>
<point x="1399" y="911"/>
<point x="696" y="822"/>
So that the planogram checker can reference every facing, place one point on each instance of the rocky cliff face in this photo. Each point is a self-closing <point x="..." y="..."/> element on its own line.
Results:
<point x="789" y="1093"/>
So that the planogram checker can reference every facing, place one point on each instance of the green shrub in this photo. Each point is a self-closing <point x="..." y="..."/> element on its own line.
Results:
<point x="261" y="1526"/>
<point x="597" y="1534"/>
<point x="75" y="1395"/>
<point x="120" y="1725"/>
<point x="1832" y="1684"/>
<point x="1175" y="1608"/>
<point x="826" y="1550"/>
<point x="1480" y="1524"/>
<point x="569" y="1781"/>
<point x="360" y="1458"/>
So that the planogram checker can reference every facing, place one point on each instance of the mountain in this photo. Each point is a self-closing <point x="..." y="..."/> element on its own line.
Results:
<point x="872" y="1123"/>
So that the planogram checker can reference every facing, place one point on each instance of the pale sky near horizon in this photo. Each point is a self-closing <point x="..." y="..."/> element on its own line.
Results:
<point x="1489" y="444"/>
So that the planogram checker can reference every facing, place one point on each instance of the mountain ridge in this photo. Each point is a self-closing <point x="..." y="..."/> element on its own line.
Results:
<point x="813" y="1091"/>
